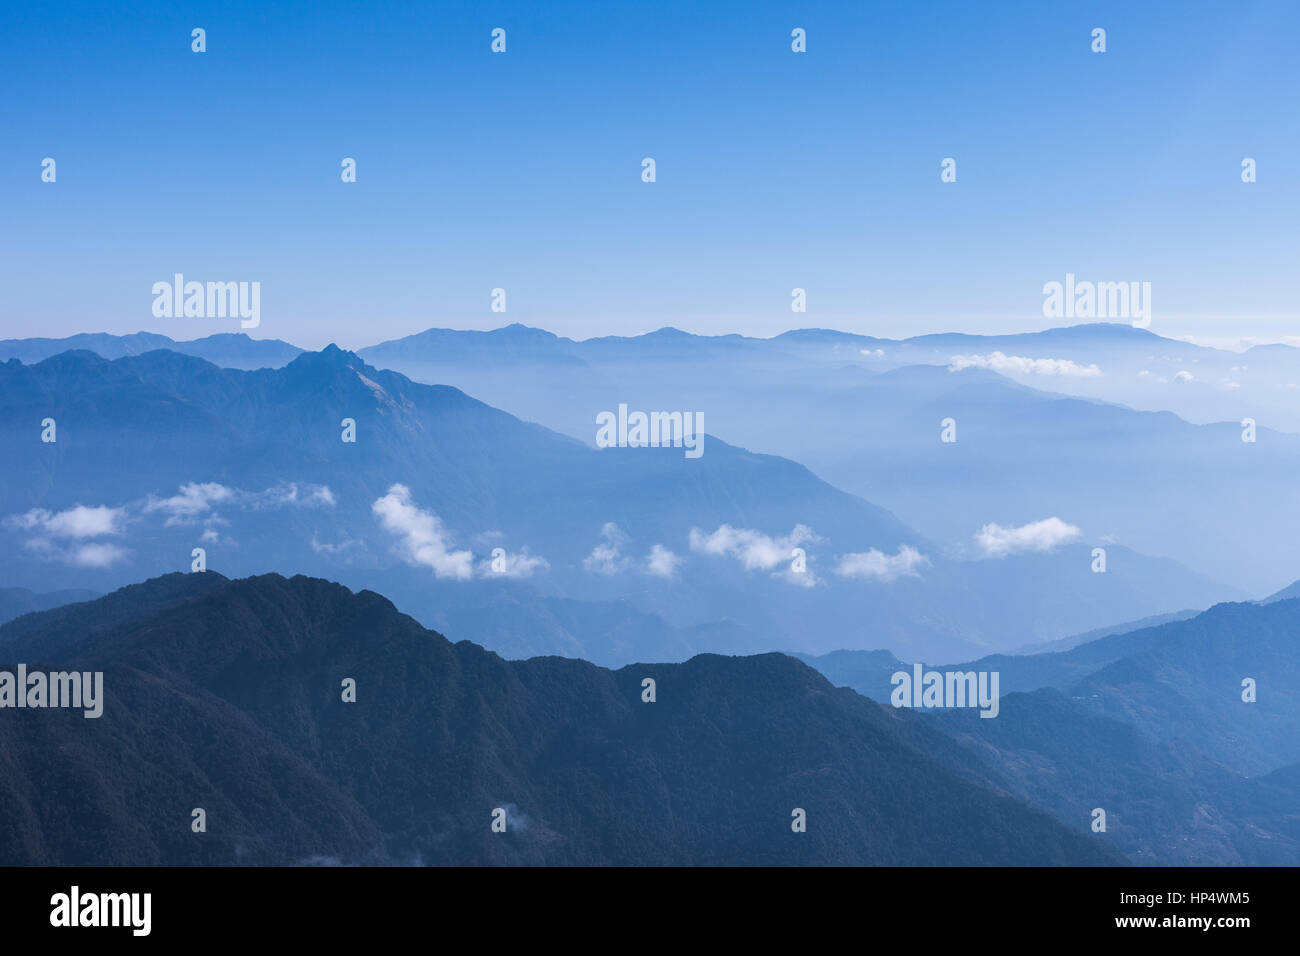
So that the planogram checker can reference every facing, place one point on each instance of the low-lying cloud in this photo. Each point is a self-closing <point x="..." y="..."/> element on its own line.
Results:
<point x="64" y="536"/>
<point x="78" y="521"/>
<point x="196" y="500"/>
<point x="607" y="556"/>
<point x="661" y="562"/>
<point x="877" y="565"/>
<point x="753" y="549"/>
<point x="1022" y="365"/>
<point x="422" y="540"/>
<point x="504" y="564"/>
<point x="996" y="541"/>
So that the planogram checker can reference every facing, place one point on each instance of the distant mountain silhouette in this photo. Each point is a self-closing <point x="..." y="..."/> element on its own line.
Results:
<point x="271" y="486"/>
<point x="1074" y="640"/>
<point x="15" y="602"/>
<point x="1150" y="726"/>
<point x="1286" y="594"/>
<point x="1042" y="427"/>
<point x="1175" y="681"/>
<point x="1167" y="802"/>
<point x="226" y="696"/>
<point x="863" y="413"/>
<point x="229" y="349"/>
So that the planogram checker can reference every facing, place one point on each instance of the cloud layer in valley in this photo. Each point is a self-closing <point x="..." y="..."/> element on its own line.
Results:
<point x="996" y="541"/>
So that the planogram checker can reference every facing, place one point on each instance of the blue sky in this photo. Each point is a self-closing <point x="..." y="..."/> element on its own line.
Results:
<point x="522" y="171"/>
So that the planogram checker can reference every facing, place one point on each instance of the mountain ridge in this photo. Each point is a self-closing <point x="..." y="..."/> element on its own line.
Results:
<point x="231" y="696"/>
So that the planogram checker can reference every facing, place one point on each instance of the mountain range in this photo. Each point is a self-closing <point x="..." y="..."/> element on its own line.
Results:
<point x="1086" y="424"/>
<point x="1152" y="725"/>
<point x="570" y="574"/>
<point x="1089" y="424"/>
<point x="231" y="694"/>
<point x="611" y="554"/>
<point x="230" y="697"/>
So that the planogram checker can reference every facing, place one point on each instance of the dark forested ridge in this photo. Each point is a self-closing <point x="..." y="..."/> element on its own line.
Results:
<point x="226" y="695"/>
<point x="1152" y="726"/>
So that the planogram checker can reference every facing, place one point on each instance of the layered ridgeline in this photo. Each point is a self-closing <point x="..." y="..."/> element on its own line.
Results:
<point x="1186" y="733"/>
<point x="1109" y="361"/>
<point x="864" y="413"/>
<point x="14" y="602"/>
<point x="499" y="530"/>
<point x="229" y="349"/>
<point x="229" y="697"/>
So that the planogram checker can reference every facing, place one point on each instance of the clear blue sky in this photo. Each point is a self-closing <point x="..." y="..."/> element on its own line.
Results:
<point x="522" y="170"/>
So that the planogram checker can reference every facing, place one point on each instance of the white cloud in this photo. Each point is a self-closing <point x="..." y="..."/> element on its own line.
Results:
<point x="753" y="549"/>
<point x="95" y="555"/>
<point x="197" y="499"/>
<point x="521" y="565"/>
<point x="78" y="521"/>
<point x="1183" y="377"/>
<point x="606" y="557"/>
<point x="73" y="526"/>
<point x="421" y="537"/>
<point x="334" y="548"/>
<point x="92" y="554"/>
<point x="1020" y="365"/>
<point x="194" y="499"/>
<point x="289" y="494"/>
<point x="997" y="541"/>
<point x="661" y="562"/>
<point x="883" y="567"/>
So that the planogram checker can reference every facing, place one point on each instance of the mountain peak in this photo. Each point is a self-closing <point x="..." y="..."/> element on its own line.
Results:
<point x="519" y="330"/>
<point x="330" y="356"/>
<point x="669" y="332"/>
